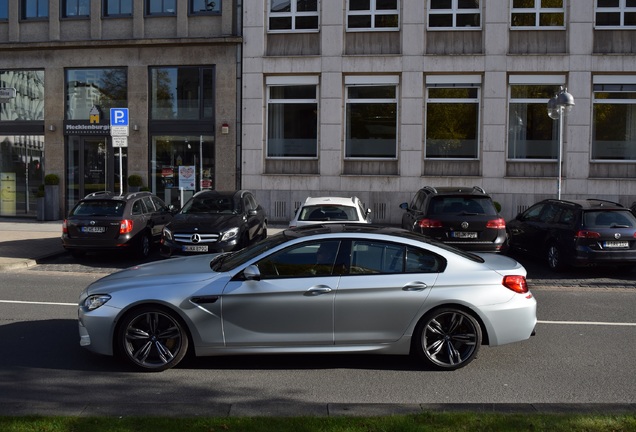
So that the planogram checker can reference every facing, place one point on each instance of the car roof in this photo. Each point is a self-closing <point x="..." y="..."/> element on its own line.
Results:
<point x="330" y="200"/>
<point x="219" y="193"/>
<point x="590" y="204"/>
<point x="108" y="195"/>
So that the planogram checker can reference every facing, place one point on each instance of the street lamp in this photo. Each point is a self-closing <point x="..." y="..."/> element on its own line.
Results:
<point x="559" y="106"/>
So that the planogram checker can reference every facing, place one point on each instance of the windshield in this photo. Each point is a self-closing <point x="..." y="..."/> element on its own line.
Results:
<point x="228" y="262"/>
<point x="99" y="208"/>
<point x="210" y="204"/>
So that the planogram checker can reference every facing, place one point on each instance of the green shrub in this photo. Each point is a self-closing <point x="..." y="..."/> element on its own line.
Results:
<point x="135" y="180"/>
<point x="51" y="179"/>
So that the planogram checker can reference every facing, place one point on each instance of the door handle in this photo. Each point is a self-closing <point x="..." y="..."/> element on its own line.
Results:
<point x="318" y="290"/>
<point x="415" y="286"/>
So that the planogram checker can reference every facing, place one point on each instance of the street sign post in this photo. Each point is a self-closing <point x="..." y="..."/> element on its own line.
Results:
<point x="119" y="134"/>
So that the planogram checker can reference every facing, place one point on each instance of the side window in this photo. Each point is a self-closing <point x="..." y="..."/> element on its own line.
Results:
<point x="305" y="260"/>
<point x="566" y="217"/>
<point x="137" y="208"/>
<point x="149" y="205"/>
<point x="423" y="261"/>
<point x="159" y="205"/>
<point x="549" y="214"/>
<point x="369" y="257"/>
<point x="532" y="214"/>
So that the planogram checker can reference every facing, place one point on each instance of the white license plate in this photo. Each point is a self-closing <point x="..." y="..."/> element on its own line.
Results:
<point x="93" y="229"/>
<point x="195" y="248"/>
<point x="616" y="244"/>
<point x="464" y="234"/>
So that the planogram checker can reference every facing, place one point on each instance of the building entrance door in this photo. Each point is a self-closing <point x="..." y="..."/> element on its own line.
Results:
<point x="91" y="167"/>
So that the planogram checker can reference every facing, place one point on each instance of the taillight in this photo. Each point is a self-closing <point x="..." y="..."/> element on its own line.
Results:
<point x="516" y="283"/>
<point x="499" y="223"/>
<point x="125" y="226"/>
<point x="429" y="223"/>
<point x="64" y="227"/>
<point x="587" y="234"/>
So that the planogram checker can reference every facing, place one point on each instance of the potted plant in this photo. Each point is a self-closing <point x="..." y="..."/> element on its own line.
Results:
<point x="135" y="182"/>
<point x="51" y="197"/>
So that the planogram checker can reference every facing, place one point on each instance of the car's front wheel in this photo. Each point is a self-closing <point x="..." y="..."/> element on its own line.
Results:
<point x="448" y="338"/>
<point x="152" y="339"/>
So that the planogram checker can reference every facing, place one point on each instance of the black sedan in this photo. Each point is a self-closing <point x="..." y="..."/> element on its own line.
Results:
<point x="215" y="221"/>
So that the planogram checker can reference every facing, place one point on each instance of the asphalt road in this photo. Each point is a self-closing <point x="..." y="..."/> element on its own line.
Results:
<point x="584" y="353"/>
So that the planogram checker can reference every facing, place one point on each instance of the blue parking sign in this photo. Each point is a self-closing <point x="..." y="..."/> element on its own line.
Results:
<point x="119" y="116"/>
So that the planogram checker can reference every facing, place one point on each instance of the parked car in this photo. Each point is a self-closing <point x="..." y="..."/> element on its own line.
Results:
<point x="318" y="210"/>
<point x="383" y="290"/>
<point x="465" y="217"/>
<point x="214" y="221"/>
<point x="104" y="221"/>
<point x="576" y="232"/>
<point x="633" y="208"/>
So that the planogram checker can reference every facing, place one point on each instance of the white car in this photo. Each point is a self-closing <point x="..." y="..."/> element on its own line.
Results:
<point x="319" y="210"/>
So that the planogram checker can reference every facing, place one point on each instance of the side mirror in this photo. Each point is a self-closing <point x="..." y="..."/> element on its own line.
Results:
<point x="252" y="272"/>
<point x="404" y="206"/>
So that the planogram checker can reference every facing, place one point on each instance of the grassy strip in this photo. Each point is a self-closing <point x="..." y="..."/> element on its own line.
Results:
<point x="437" y="422"/>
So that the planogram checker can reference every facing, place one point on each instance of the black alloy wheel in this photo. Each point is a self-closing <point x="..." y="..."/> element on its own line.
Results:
<point x="448" y="338"/>
<point x="152" y="339"/>
<point x="554" y="256"/>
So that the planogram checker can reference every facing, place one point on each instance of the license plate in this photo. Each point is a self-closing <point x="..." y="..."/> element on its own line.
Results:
<point x="93" y="229"/>
<point x="464" y="235"/>
<point x="616" y="244"/>
<point x="195" y="248"/>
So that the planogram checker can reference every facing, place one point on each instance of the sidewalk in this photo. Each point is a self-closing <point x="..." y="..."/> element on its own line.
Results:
<point x="25" y="241"/>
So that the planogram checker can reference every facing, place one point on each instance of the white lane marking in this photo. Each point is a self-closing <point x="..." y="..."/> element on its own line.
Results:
<point x="588" y="323"/>
<point x="37" y="303"/>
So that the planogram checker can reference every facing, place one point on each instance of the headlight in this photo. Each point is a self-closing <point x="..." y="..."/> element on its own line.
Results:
<point x="95" y="301"/>
<point x="230" y="234"/>
<point x="167" y="233"/>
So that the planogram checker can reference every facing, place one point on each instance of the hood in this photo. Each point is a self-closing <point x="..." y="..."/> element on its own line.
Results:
<point x="205" y="222"/>
<point x="185" y="270"/>
<point x="502" y="264"/>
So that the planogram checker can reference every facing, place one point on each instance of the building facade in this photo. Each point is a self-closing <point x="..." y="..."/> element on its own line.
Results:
<point x="378" y="98"/>
<point x="171" y="67"/>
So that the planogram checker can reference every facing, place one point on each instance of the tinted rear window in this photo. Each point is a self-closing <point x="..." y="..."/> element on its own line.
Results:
<point x="462" y="205"/>
<point x="328" y="213"/>
<point x="609" y="219"/>
<point x="99" y="208"/>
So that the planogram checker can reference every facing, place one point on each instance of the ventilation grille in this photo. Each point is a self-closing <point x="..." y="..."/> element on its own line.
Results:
<point x="280" y="210"/>
<point x="379" y="211"/>
<point x="522" y="208"/>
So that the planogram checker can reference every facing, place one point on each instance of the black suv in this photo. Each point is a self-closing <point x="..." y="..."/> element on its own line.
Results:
<point x="213" y="221"/>
<point x="576" y="232"/>
<point x="105" y="221"/>
<point x="465" y="217"/>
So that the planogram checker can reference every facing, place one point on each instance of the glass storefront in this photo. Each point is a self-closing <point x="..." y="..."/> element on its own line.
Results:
<point x="181" y="166"/>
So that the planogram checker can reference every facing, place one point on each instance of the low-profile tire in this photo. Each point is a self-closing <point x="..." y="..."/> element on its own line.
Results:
<point x="152" y="339"/>
<point x="447" y="338"/>
<point x="554" y="257"/>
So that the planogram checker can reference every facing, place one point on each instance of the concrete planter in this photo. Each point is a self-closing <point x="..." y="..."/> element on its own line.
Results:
<point x="51" y="202"/>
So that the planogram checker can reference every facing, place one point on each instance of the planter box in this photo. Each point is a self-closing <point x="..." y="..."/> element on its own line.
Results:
<point x="51" y="202"/>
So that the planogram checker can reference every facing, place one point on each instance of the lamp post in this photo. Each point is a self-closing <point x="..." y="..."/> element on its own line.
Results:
<point x="559" y="106"/>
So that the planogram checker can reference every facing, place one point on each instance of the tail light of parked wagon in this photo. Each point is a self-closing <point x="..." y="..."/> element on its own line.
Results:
<point x="498" y="223"/>
<point x="516" y="283"/>
<point x="125" y="226"/>
<point x="429" y="223"/>
<point x="587" y="234"/>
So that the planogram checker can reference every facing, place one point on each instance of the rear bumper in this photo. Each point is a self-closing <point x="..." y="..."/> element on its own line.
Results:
<point x="586" y="256"/>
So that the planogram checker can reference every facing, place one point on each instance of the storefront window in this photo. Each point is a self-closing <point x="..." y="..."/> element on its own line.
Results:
<point x="88" y="88"/>
<point x="182" y="93"/>
<point x="181" y="166"/>
<point x="21" y="173"/>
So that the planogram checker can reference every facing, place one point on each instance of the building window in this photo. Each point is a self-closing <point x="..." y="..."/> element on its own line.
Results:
<point x="371" y="117"/>
<point x="452" y="117"/>
<point x="454" y="15"/>
<point x="615" y="13"/>
<point x="161" y="7"/>
<point x="537" y="14"/>
<point x="182" y="93"/>
<point x="34" y="9"/>
<point x="76" y="8"/>
<point x="292" y="117"/>
<point x="117" y="8"/>
<point x="293" y="15"/>
<point x="614" y="118"/>
<point x="90" y="89"/>
<point x="4" y="10"/>
<point x="531" y="133"/>
<point x="28" y="103"/>
<point x="205" y="7"/>
<point x="365" y="15"/>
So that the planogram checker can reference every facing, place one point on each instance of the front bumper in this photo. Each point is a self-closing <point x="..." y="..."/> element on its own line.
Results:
<point x="171" y="247"/>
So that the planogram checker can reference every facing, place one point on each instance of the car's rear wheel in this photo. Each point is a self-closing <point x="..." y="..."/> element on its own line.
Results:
<point x="143" y="247"/>
<point x="448" y="338"/>
<point x="555" y="258"/>
<point x="152" y="339"/>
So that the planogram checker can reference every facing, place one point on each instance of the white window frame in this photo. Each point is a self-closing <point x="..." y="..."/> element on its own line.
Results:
<point x="373" y="12"/>
<point x="281" y="81"/>
<point x="537" y="10"/>
<point x="555" y="80"/>
<point x="293" y="14"/>
<point x="454" y="81"/>
<point x="622" y="9"/>
<point x="455" y="10"/>
<point x="618" y="80"/>
<point x="369" y="81"/>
